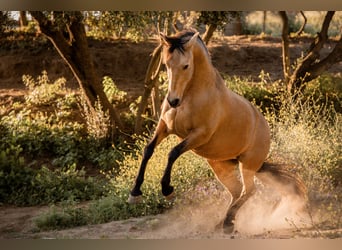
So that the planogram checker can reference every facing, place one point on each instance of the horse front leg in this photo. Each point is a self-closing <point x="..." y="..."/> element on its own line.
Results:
<point x="195" y="139"/>
<point x="167" y="189"/>
<point x="160" y="134"/>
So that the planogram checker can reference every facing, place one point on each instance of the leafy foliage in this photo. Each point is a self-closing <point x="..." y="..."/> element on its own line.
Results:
<point x="22" y="185"/>
<point x="113" y="94"/>
<point x="218" y="18"/>
<point x="131" y="24"/>
<point x="42" y="92"/>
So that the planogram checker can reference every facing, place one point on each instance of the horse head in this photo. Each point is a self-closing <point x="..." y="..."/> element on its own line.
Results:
<point x="178" y="57"/>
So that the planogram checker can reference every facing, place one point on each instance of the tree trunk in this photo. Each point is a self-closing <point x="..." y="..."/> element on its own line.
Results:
<point x="149" y="83"/>
<point x="285" y="47"/>
<point x="156" y="103"/>
<point x="264" y="22"/>
<point x="237" y="25"/>
<point x="311" y="64"/>
<point x="22" y="19"/>
<point x="76" y="54"/>
<point x="209" y="33"/>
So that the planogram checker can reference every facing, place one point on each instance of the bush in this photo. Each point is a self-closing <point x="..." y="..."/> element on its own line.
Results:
<point x="62" y="218"/>
<point x="46" y="126"/>
<point x="39" y="134"/>
<point x="42" y="92"/>
<point x="306" y="133"/>
<point x="306" y="137"/>
<point x="112" y="92"/>
<point x="22" y="185"/>
<point x="263" y="94"/>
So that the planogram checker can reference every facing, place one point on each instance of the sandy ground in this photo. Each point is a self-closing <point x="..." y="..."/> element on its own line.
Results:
<point x="266" y="215"/>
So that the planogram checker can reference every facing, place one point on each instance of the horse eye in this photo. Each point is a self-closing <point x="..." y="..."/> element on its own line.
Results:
<point x="186" y="66"/>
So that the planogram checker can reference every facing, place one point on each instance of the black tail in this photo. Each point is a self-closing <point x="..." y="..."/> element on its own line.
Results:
<point x="283" y="176"/>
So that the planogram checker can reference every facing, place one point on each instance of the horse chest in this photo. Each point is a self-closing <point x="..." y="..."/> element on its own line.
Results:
<point x="177" y="122"/>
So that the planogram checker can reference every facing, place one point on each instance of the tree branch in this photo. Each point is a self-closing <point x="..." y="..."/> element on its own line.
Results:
<point x="300" y="31"/>
<point x="285" y="46"/>
<point x="149" y="83"/>
<point x="318" y="68"/>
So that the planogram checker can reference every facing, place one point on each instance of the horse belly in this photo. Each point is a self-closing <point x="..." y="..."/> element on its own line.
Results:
<point x="230" y="140"/>
<point x="222" y="148"/>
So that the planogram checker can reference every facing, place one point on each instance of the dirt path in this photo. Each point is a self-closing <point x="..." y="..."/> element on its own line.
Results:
<point x="263" y="216"/>
<point x="17" y="223"/>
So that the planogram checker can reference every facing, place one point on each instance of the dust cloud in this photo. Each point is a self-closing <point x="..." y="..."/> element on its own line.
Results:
<point x="273" y="207"/>
<point x="194" y="218"/>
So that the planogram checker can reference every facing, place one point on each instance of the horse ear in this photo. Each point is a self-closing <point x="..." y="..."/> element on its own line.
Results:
<point x="192" y="41"/>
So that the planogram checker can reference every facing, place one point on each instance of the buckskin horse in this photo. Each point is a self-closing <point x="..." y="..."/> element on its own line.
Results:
<point x="210" y="120"/>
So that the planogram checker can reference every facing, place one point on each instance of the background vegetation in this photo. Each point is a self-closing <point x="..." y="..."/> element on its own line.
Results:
<point x="55" y="151"/>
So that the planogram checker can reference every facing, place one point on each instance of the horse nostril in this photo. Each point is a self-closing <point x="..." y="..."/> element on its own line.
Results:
<point x="173" y="103"/>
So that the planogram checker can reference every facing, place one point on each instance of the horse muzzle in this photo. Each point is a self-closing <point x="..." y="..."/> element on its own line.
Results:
<point x="174" y="103"/>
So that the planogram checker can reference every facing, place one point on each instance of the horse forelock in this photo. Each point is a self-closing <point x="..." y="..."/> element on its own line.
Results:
<point x="178" y="41"/>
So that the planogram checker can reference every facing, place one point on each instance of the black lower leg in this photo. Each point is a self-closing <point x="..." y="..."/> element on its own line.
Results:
<point x="230" y="217"/>
<point x="167" y="189"/>
<point x="148" y="152"/>
<point x="231" y="214"/>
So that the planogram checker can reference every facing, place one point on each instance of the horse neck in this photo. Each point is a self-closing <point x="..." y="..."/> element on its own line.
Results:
<point x="205" y="73"/>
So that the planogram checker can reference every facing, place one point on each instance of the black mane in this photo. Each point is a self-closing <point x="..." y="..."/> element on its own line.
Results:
<point x="177" y="42"/>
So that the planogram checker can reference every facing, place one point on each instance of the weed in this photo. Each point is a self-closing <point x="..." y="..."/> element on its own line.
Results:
<point x="97" y="120"/>
<point x="42" y="92"/>
<point x="112" y="92"/>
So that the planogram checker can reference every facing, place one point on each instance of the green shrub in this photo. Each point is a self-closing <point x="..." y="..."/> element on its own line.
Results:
<point x="112" y="92"/>
<point x="42" y="92"/>
<point x="306" y="137"/>
<point x="326" y="89"/>
<point x="262" y="94"/>
<point x="308" y="134"/>
<point x="51" y="131"/>
<point x="41" y="134"/>
<point x="62" y="218"/>
<point x="22" y="185"/>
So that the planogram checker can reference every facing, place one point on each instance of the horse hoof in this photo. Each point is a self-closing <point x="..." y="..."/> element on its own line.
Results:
<point x="134" y="199"/>
<point x="228" y="226"/>
<point x="170" y="197"/>
<point x="228" y="229"/>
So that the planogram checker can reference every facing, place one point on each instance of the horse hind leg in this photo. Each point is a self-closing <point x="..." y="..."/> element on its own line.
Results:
<point x="248" y="188"/>
<point x="226" y="173"/>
